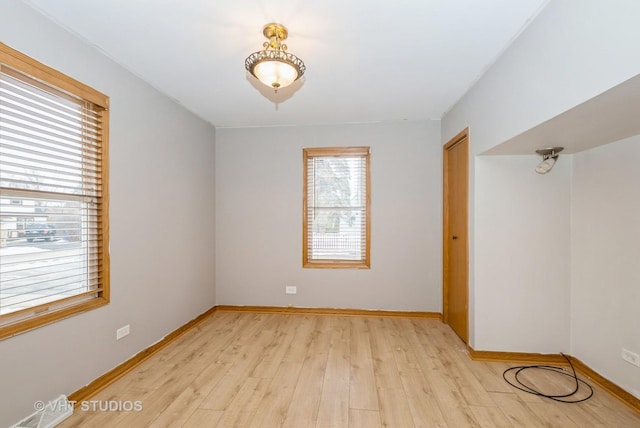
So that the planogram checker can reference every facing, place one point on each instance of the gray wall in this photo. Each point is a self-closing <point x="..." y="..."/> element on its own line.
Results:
<point x="573" y="51"/>
<point x="522" y="248"/>
<point x="162" y="226"/>
<point x="605" y="249"/>
<point x="259" y="218"/>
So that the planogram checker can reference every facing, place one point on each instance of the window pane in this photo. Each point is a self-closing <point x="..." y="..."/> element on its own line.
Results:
<point x="336" y="223"/>
<point x="337" y="182"/>
<point x="336" y="234"/>
<point x="45" y="253"/>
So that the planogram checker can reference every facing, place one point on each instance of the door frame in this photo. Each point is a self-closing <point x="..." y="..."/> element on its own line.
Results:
<point x="446" y="242"/>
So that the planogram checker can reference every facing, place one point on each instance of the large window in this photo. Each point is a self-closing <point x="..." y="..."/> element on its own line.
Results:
<point x="53" y="195"/>
<point x="336" y="214"/>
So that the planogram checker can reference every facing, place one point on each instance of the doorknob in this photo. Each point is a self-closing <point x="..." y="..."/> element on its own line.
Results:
<point x="454" y="237"/>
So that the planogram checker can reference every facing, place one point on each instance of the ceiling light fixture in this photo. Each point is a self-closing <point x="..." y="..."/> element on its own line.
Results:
<point x="549" y="158"/>
<point x="274" y="66"/>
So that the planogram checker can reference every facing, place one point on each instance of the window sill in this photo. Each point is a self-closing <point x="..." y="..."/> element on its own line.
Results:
<point x="335" y="264"/>
<point x="10" y="330"/>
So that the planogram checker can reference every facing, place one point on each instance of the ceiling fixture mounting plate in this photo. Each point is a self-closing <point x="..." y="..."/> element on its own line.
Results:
<point x="549" y="151"/>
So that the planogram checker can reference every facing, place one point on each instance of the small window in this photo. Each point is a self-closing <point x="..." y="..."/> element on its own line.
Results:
<point x="336" y="213"/>
<point x="54" y="258"/>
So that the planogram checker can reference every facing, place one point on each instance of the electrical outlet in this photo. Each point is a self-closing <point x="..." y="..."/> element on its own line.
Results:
<point x="122" y="332"/>
<point x="290" y="289"/>
<point x="631" y="357"/>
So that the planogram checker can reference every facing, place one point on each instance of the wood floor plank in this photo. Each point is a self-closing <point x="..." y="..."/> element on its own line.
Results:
<point x="394" y="408"/>
<point x="247" y="359"/>
<point x="362" y="389"/>
<point x="305" y="404"/>
<point x="241" y="410"/>
<point x="552" y="414"/>
<point x="273" y="407"/>
<point x="602" y="405"/>
<point x="384" y="362"/>
<point x="302" y="339"/>
<point x="204" y="418"/>
<point x="273" y="354"/>
<point x="272" y="370"/>
<point x="208" y="347"/>
<point x="490" y="417"/>
<point x="516" y="411"/>
<point x="396" y="330"/>
<point x="364" y="418"/>
<point x="153" y="400"/>
<point x="191" y="398"/>
<point x="334" y="401"/>
<point x="453" y="355"/>
<point x="452" y="404"/>
<point x="490" y="380"/>
<point x="86" y="416"/>
<point x="421" y="398"/>
<point x="155" y="403"/>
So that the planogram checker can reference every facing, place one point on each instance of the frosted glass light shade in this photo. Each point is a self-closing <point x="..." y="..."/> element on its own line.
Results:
<point x="276" y="74"/>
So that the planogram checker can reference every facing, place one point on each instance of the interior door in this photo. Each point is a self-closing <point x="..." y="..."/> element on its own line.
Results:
<point x="455" y="239"/>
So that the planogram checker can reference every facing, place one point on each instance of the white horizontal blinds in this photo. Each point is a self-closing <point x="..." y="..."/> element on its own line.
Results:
<point x="49" y="142"/>
<point x="50" y="196"/>
<point x="336" y="208"/>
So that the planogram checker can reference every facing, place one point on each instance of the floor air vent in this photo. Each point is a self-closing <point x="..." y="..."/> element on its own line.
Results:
<point x="49" y="414"/>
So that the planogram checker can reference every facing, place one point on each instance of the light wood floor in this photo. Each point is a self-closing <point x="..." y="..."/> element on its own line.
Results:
<point x="269" y="370"/>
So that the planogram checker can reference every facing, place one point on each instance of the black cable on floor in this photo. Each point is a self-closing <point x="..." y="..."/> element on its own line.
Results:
<point x="564" y="398"/>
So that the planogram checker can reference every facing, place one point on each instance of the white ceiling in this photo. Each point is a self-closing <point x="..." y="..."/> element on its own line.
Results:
<point x="366" y="61"/>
